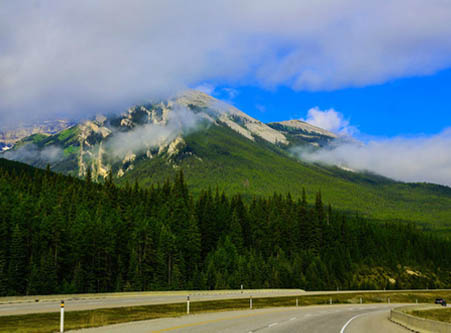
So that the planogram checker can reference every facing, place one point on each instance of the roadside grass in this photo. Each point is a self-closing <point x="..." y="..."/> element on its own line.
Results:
<point x="49" y="322"/>
<point x="443" y="314"/>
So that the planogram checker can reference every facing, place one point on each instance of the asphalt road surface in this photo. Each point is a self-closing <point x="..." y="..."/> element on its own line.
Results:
<point x="371" y="318"/>
<point x="39" y="304"/>
<point x="25" y="305"/>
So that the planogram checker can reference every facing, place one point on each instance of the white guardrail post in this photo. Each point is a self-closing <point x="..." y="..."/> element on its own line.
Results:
<point x="187" y="304"/>
<point x="62" y="318"/>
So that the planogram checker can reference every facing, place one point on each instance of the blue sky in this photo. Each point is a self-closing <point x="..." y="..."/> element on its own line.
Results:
<point x="373" y="61"/>
<point x="382" y="67"/>
<point x="408" y="106"/>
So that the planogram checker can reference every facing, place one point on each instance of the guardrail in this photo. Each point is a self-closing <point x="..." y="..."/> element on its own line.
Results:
<point x="418" y="324"/>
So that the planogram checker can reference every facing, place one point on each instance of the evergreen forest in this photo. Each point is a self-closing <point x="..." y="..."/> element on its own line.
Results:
<point x="60" y="234"/>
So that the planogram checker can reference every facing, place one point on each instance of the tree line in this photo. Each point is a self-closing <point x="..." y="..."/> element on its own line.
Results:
<point x="60" y="234"/>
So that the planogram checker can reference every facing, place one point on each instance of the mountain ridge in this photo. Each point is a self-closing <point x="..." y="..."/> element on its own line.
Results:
<point x="219" y="145"/>
<point x="87" y="139"/>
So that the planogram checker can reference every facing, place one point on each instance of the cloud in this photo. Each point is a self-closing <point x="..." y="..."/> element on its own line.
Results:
<point x="77" y="58"/>
<point x="230" y="92"/>
<point x="423" y="159"/>
<point x="330" y="120"/>
<point x="181" y="121"/>
<point x="205" y="88"/>
<point x="30" y="153"/>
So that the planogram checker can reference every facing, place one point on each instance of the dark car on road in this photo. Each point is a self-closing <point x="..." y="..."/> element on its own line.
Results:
<point x="440" y="301"/>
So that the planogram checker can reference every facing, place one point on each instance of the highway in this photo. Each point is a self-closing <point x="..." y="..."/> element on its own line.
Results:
<point x="369" y="318"/>
<point x="40" y="304"/>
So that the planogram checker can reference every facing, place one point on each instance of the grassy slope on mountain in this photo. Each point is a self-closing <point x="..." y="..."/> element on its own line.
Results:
<point x="238" y="165"/>
<point x="66" y="140"/>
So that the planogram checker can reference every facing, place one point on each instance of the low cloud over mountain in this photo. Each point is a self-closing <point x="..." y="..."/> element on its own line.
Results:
<point x="410" y="159"/>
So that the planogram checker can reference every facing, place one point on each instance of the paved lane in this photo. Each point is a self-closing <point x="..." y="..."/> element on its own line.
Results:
<point x="310" y="319"/>
<point x="374" y="322"/>
<point x="27" y="304"/>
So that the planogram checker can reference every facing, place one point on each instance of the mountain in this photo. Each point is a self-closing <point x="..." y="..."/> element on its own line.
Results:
<point x="218" y="145"/>
<point x="147" y="131"/>
<point x="300" y="133"/>
<point x="9" y="136"/>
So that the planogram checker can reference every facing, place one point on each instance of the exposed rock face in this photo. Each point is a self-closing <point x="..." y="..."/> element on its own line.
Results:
<point x="91" y="133"/>
<point x="300" y="132"/>
<point x="231" y="116"/>
<point x="157" y="114"/>
<point x="203" y="105"/>
<point x="157" y="129"/>
<point x="175" y="146"/>
<point x="306" y="127"/>
<point x="100" y="169"/>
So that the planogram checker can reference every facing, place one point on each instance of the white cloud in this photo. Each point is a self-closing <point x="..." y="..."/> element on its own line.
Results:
<point x="205" y="88"/>
<point x="180" y="121"/>
<point x="423" y="159"/>
<point x="31" y="153"/>
<point x="330" y="120"/>
<point x="231" y="93"/>
<point x="85" y="57"/>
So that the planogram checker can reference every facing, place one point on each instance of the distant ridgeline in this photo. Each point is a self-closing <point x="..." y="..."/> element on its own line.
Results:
<point x="60" y="234"/>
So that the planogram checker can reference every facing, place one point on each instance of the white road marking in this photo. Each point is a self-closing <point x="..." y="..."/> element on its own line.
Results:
<point x="292" y="318"/>
<point x="349" y="321"/>
<point x="362" y="314"/>
<point x="273" y="324"/>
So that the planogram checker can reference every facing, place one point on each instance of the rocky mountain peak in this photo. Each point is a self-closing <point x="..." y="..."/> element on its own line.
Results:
<point x="302" y="126"/>
<point x="159" y="130"/>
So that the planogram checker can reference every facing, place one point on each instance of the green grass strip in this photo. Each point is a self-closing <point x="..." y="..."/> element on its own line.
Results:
<point x="49" y="322"/>
<point x="443" y="314"/>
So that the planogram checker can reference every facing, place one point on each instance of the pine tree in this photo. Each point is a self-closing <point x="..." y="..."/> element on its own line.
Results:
<point x="3" y="274"/>
<point x="48" y="274"/>
<point x="17" y="274"/>
<point x="3" y="255"/>
<point x="236" y="232"/>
